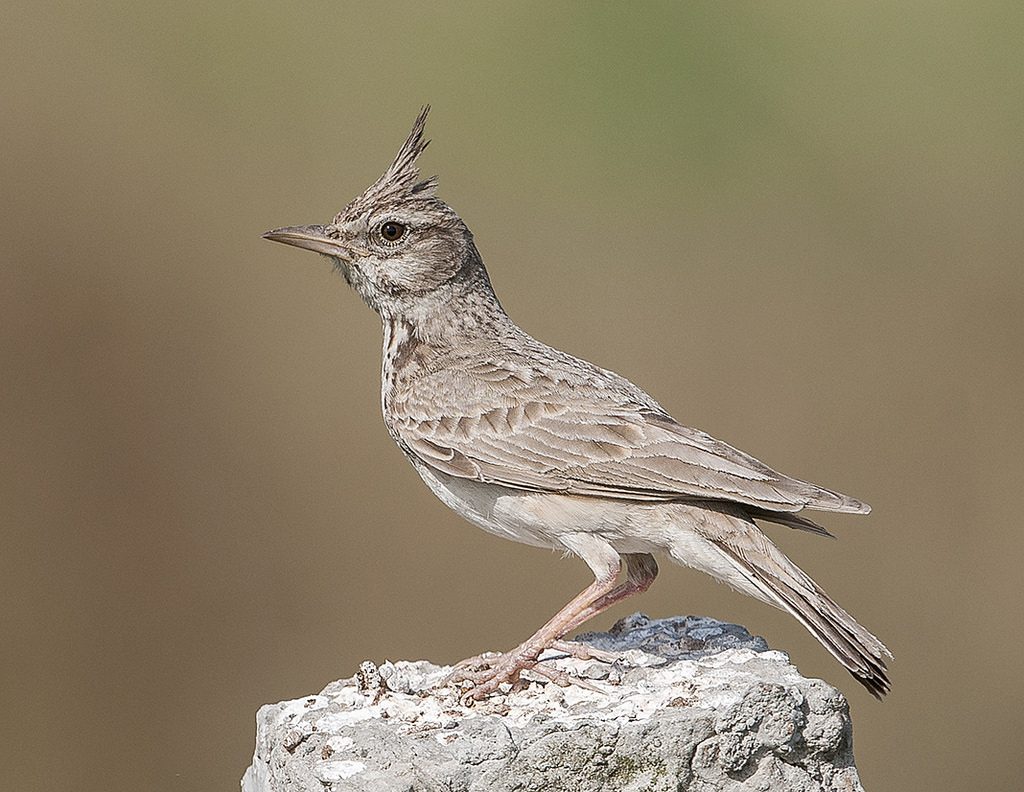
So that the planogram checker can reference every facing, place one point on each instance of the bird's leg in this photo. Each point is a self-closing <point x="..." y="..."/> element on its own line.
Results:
<point x="641" y="570"/>
<point x="506" y="667"/>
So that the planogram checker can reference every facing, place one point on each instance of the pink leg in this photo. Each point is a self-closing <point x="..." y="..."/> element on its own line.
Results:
<point x="506" y="667"/>
<point x="641" y="570"/>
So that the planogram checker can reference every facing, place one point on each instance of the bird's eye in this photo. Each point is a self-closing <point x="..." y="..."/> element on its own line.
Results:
<point x="392" y="231"/>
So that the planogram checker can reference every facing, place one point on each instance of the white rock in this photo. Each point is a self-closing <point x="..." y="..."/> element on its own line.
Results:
<point x="717" y="710"/>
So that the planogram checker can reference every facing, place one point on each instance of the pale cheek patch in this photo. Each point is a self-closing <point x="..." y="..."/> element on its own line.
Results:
<point x="399" y="276"/>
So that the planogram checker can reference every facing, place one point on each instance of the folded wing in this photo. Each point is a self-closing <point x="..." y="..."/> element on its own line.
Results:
<point x="586" y="446"/>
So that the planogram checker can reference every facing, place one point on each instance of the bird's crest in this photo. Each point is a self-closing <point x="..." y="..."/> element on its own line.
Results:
<point x="402" y="178"/>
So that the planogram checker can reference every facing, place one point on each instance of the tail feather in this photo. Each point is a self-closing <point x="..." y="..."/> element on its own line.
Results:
<point x="791" y="520"/>
<point x="789" y="588"/>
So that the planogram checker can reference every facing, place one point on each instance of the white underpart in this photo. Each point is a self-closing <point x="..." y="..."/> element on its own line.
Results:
<point x="583" y="525"/>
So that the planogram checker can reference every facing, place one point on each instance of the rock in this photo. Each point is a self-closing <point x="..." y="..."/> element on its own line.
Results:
<point x="693" y="704"/>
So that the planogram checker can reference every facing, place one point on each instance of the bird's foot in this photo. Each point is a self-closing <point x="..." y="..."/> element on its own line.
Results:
<point x="582" y="651"/>
<point x="474" y="663"/>
<point x="487" y="672"/>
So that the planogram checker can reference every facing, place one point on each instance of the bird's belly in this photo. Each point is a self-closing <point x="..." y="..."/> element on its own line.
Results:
<point x="542" y="519"/>
<point x="487" y="506"/>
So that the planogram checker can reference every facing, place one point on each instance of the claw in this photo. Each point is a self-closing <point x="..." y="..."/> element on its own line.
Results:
<point x="582" y="651"/>
<point x="563" y="679"/>
<point x="483" y="660"/>
<point x="487" y="672"/>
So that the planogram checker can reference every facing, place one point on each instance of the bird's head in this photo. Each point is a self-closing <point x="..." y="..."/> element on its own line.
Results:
<point x="397" y="244"/>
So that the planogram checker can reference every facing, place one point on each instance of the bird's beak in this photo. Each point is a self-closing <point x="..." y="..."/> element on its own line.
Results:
<point x="310" y="237"/>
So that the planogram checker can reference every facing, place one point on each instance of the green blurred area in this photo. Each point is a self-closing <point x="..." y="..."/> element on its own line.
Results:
<point x="799" y="226"/>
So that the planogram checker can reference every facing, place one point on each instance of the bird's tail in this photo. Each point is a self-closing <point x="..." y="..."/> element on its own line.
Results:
<point x="757" y="567"/>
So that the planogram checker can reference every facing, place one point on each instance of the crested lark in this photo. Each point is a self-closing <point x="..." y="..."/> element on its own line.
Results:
<point x="537" y="446"/>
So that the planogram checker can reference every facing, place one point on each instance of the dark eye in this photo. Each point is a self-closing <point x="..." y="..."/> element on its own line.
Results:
<point x="392" y="231"/>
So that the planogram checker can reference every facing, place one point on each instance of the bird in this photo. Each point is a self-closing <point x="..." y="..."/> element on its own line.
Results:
<point x="540" y="447"/>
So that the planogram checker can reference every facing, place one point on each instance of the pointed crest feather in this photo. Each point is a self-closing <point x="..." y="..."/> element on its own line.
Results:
<point x="402" y="175"/>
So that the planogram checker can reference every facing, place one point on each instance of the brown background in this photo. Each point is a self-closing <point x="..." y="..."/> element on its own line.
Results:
<point x="798" y="226"/>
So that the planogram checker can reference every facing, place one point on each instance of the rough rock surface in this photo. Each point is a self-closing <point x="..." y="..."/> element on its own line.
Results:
<point x="693" y="704"/>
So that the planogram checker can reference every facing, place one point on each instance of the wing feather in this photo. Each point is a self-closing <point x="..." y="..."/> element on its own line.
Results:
<point x="590" y="446"/>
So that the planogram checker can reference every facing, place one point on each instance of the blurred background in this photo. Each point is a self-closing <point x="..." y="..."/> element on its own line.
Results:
<point x="798" y="226"/>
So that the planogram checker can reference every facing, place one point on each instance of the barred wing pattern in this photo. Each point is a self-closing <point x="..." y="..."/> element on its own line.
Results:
<point x="597" y="442"/>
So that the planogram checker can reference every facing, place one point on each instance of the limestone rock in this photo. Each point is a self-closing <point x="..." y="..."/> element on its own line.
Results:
<point x="692" y="704"/>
